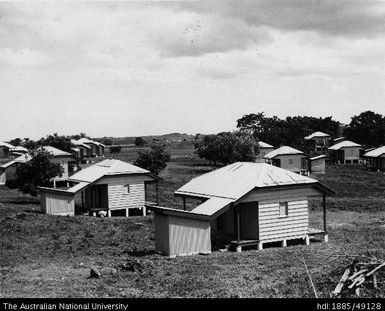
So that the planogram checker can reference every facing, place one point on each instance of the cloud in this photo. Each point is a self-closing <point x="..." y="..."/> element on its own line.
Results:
<point x="23" y="58"/>
<point x="329" y="17"/>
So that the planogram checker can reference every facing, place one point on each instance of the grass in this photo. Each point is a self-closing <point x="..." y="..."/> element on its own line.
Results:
<point x="50" y="256"/>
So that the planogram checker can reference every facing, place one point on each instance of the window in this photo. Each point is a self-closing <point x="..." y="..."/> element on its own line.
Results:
<point x="283" y="209"/>
<point x="126" y="189"/>
<point x="291" y="161"/>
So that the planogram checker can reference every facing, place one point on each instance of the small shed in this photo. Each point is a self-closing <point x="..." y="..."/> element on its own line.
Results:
<point x="243" y="203"/>
<point x="317" y="164"/>
<point x="320" y="141"/>
<point x="345" y="152"/>
<point x="375" y="159"/>
<point x="110" y="185"/>
<point x="288" y="158"/>
<point x="264" y="148"/>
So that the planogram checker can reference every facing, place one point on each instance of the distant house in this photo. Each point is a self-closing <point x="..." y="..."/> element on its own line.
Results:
<point x="244" y="204"/>
<point x="65" y="159"/>
<point x="97" y="149"/>
<point x="18" y="150"/>
<point x="5" y="149"/>
<point x="320" y="142"/>
<point x="8" y="169"/>
<point x="345" y="152"/>
<point x="288" y="158"/>
<point x="110" y="186"/>
<point x="82" y="151"/>
<point x="264" y="148"/>
<point x="376" y="158"/>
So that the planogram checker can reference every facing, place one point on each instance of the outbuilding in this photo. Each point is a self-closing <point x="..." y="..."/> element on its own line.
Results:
<point x="5" y="149"/>
<point x="244" y="204"/>
<point x="8" y="169"/>
<point x="288" y="158"/>
<point x="109" y="186"/>
<point x="345" y="152"/>
<point x="317" y="164"/>
<point x="97" y="149"/>
<point x="375" y="159"/>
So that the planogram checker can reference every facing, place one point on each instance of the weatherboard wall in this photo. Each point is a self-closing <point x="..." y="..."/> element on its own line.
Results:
<point x="179" y="236"/>
<point x="117" y="198"/>
<point x="57" y="204"/>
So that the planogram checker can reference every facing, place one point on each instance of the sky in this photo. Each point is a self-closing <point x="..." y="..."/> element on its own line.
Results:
<point x="124" y="68"/>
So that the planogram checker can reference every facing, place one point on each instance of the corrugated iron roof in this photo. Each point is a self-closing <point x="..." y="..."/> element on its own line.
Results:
<point x="235" y="180"/>
<point x="264" y="145"/>
<point x="344" y="144"/>
<point x="24" y="158"/>
<point x="106" y="167"/>
<point x="318" y="157"/>
<point x="212" y="206"/>
<point x="56" y="152"/>
<point x="4" y="144"/>
<point x="19" y="149"/>
<point x="89" y="141"/>
<point x="77" y="143"/>
<point x="317" y="134"/>
<point x="375" y="153"/>
<point x="284" y="150"/>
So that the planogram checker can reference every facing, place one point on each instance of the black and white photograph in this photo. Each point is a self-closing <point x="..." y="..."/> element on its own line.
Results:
<point x="192" y="149"/>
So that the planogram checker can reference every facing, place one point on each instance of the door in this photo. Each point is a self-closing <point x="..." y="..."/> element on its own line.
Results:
<point x="249" y="221"/>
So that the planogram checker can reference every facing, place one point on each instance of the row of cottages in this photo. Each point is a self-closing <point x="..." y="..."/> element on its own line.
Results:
<point x="375" y="159"/>
<point x="243" y="204"/>
<point x="87" y="148"/>
<point x="295" y="160"/>
<point x="109" y="186"/>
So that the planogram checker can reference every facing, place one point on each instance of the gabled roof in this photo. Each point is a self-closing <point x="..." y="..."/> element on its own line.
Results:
<point x="19" y="149"/>
<point x="108" y="167"/>
<point x="284" y="150"/>
<point x="317" y="135"/>
<point x="344" y="144"/>
<point x="378" y="152"/>
<point x="89" y="141"/>
<point x="56" y="152"/>
<point x="4" y="144"/>
<point x="24" y="158"/>
<point x="264" y="145"/>
<point x="235" y="180"/>
<point x="77" y="143"/>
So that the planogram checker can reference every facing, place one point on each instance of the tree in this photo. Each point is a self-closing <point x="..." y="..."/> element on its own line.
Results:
<point x="30" y="144"/>
<point x="39" y="171"/>
<point x="368" y="129"/>
<point x="78" y="136"/>
<point x="115" y="150"/>
<point x="155" y="159"/>
<point x="228" y="147"/>
<point x="57" y="141"/>
<point x="139" y="141"/>
<point x="15" y="142"/>
<point x="106" y="141"/>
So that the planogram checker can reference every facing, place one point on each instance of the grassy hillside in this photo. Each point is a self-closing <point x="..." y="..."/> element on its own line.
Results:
<point x="51" y="256"/>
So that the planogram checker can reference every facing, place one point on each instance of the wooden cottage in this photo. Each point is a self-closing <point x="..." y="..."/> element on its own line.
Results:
<point x="5" y="149"/>
<point x="288" y="158"/>
<point x="264" y="149"/>
<point x="110" y="185"/>
<point x="8" y="169"/>
<point x="244" y="204"/>
<point x="65" y="159"/>
<point x="320" y="142"/>
<point x="375" y="159"/>
<point x="345" y="152"/>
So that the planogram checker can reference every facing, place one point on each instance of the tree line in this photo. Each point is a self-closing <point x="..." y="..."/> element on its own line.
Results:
<point x="367" y="129"/>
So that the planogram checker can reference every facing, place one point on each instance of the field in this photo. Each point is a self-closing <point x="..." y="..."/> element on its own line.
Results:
<point x="51" y="256"/>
